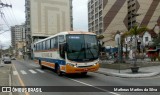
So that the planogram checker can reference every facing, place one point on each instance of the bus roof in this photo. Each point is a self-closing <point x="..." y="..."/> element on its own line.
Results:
<point x="65" y="33"/>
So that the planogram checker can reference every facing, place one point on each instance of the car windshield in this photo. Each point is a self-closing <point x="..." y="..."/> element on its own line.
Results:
<point x="82" y="47"/>
<point x="6" y="58"/>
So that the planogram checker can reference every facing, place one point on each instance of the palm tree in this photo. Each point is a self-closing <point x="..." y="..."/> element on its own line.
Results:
<point x="134" y="32"/>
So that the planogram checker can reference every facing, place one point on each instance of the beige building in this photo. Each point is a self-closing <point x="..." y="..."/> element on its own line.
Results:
<point x="123" y="14"/>
<point x="47" y="17"/>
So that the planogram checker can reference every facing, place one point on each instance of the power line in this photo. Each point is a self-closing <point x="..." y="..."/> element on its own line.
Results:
<point x="9" y="17"/>
<point x="4" y="32"/>
<point x="4" y="19"/>
<point x="13" y="14"/>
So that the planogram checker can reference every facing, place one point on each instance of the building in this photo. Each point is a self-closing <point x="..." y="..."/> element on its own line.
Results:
<point x="17" y="34"/>
<point x="95" y="20"/>
<point x="121" y="15"/>
<point x="45" y="18"/>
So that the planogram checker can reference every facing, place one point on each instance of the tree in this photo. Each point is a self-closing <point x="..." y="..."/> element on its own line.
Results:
<point x="156" y="42"/>
<point x="133" y="32"/>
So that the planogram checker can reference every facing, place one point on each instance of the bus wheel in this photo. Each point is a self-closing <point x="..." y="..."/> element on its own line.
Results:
<point x="58" y="71"/>
<point x="84" y="73"/>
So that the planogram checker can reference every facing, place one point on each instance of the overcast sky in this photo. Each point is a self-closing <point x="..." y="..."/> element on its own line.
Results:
<point x="16" y="15"/>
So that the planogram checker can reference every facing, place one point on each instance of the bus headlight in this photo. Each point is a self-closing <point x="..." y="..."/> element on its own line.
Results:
<point x="72" y="65"/>
<point x="95" y="64"/>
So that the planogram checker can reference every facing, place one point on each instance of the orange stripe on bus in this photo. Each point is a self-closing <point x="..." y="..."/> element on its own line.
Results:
<point x="48" y="64"/>
<point x="63" y="68"/>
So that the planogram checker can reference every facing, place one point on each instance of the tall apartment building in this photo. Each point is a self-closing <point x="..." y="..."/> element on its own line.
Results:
<point x="121" y="15"/>
<point x="95" y="19"/>
<point x="17" y="34"/>
<point x="45" y="18"/>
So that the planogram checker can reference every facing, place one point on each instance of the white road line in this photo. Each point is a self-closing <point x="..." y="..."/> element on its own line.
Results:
<point x="23" y="72"/>
<point x="10" y="83"/>
<point x="15" y="73"/>
<point x="32" y="71"/>
<point x="40" y="71"/>
<point x="94" y="86"/>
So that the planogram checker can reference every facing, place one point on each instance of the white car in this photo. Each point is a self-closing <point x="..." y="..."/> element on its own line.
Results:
<point x="7" y="60"/>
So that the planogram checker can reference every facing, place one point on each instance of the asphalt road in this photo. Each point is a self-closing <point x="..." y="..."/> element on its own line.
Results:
<point x="30" y="74"/>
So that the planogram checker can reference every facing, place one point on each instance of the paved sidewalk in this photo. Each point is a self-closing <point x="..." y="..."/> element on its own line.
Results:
<point x="5" y="76"/>
<point x="143" y="72"/>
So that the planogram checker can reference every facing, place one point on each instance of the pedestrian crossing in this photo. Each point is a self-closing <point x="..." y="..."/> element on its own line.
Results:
<point x="30" y="71"/>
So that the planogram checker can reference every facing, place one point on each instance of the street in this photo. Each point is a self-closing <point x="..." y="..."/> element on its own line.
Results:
<point x="30" y="74"/>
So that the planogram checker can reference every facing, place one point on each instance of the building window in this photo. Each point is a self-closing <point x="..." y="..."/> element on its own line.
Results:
<point x="146" y="39"/>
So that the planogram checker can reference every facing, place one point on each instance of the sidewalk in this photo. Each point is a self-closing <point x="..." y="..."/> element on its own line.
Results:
<point x="143" y="72"/>
<point x="5" y="76"/>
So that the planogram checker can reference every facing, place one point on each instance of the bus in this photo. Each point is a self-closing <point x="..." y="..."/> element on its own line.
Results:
<point x="68" y="52"/>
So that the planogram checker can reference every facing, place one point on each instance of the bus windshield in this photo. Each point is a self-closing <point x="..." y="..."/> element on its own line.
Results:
<point x="82" y="47"/>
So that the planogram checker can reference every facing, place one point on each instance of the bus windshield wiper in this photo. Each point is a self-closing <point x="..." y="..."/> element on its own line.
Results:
<point x="89" y="48"/>
<point x="82" y="49"/>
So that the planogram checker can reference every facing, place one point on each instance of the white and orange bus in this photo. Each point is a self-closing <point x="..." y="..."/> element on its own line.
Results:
<point x="68" y="52"/>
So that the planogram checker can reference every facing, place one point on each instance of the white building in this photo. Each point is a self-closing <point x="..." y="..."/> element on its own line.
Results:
<point x="17" y="34"/>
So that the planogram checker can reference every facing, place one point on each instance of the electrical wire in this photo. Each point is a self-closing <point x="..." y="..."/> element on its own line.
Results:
<point x="14" y="13"/>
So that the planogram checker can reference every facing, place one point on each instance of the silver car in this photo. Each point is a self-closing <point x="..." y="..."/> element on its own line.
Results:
<point x="7" y="60"/>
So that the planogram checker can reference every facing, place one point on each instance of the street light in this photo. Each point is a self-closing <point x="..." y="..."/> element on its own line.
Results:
<point x="118" y="42"/>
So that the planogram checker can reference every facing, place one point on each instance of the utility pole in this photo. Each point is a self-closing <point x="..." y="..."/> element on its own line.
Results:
<point x="1" y="56"/>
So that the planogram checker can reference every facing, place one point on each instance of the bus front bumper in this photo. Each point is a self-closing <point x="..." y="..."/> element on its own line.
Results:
<point x="71" y="69"/>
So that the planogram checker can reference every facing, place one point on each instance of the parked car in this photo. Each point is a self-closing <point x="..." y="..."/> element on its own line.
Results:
<point x="7" y="60"/>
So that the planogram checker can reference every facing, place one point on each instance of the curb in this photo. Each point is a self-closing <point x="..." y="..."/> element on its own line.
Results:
<point x="130" y="75"/>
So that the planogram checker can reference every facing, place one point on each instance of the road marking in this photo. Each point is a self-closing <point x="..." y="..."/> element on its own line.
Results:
<point x="32" y="71"/>
<point x="40" y="71"/>
<point x="94" y="87"/>
<point x="15" y="73"/>
<point x="23" y="72"/>
<point x="10" y="82"/>
<point x="20" y="80"/>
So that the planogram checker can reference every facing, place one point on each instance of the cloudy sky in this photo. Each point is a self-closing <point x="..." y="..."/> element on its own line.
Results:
<point x="16" y="15"/>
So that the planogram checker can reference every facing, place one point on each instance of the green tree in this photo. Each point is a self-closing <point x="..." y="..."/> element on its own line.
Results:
<point x="134" y="32"/>
<point x="156" y="42"/>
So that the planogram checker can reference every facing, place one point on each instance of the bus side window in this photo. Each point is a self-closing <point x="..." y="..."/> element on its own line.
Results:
<point x="62" y="51"/>
<point x="61" y="46"/>
<point x="56" y="43"/>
